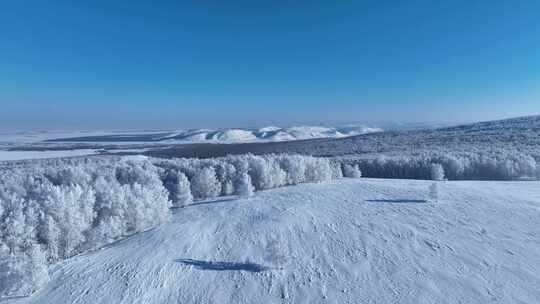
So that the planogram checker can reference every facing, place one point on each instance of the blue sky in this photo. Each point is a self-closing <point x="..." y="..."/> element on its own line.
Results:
<point x="180" y="64"/>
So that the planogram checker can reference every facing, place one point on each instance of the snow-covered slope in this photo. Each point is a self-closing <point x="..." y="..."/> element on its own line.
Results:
<point x="347" y="241"/>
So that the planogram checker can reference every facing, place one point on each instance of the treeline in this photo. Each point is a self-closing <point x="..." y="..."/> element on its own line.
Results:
<point x="240" y="174"/>
<point x="53" y="209"/>
<point x="496" y="165"/>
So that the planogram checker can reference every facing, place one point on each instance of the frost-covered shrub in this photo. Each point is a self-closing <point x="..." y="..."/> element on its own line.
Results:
<point x="352" y="171"/>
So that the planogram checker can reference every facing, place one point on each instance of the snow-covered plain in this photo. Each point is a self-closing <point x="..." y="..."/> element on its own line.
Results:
<point x="345" y="241"/>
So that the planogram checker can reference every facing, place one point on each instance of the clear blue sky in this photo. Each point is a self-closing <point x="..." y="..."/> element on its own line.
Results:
<point x="176" y="64"/>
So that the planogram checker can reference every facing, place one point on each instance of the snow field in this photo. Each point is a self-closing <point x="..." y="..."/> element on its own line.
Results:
<point x="344" y="241"/>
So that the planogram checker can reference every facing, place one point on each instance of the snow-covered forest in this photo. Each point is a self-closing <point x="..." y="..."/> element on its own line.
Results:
<point x="472" y="165"/>
<point x="54" y="209"/>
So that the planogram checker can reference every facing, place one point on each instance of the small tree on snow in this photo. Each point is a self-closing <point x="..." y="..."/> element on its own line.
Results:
<point x="245" y="188"/>
<point x="437" y="172"/>
<point x="352" y="171"/>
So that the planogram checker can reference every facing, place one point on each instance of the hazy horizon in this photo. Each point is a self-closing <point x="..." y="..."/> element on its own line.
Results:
<point x="385" y="125"/>
<point x="170" y="65"/>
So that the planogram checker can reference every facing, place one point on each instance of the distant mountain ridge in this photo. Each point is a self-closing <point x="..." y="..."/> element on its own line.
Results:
<point x="526" y="122"/>
<point x="235" y="135"/>
<point x="515" y="133"/>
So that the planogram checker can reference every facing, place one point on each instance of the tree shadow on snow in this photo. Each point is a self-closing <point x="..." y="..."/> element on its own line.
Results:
<point x="223" y="266"/>
<point x="398" y="201"/>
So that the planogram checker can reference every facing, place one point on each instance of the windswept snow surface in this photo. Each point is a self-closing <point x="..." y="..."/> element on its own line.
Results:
<point x="346" y="241"/>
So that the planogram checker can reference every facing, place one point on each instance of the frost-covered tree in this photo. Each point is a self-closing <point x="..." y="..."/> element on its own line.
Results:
<point x="226" y="173"/>
<point x="71" y="208"/>
<point x="183" y="191"/>
<point x="205" y="184"/>
<point x="14" y="280"/>
<point x="335" y="167"/>
<point x="437" y="172"/>
<point x="22" y="274"/>
<point x="178" y="187"/>
<point x="227" y="188"/>
<point x="38" y="272"/>
<point x="53" y="209"/>
<point x="142" y="213"/>
<point x="352" y="171"/>
<point x="266" y="172"/>
<point x="13" y="225"/>
<point x="317" y="169"/>
<point x="50" y="236"/>
<point x="294" y="167"/>
<point x="245" y="188"/>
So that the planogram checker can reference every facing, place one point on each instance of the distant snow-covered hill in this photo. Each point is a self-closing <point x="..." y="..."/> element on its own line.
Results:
<point x="521" y="133"/>
<point x="235" y="135"/>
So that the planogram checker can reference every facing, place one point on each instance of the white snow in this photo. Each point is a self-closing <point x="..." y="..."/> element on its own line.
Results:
<point x="346" y="241"/>
<point x="39" y="136"/>
<point x="269" y="129"/>
<point x="20" y="155"/>
<point x="234" y="135"/>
